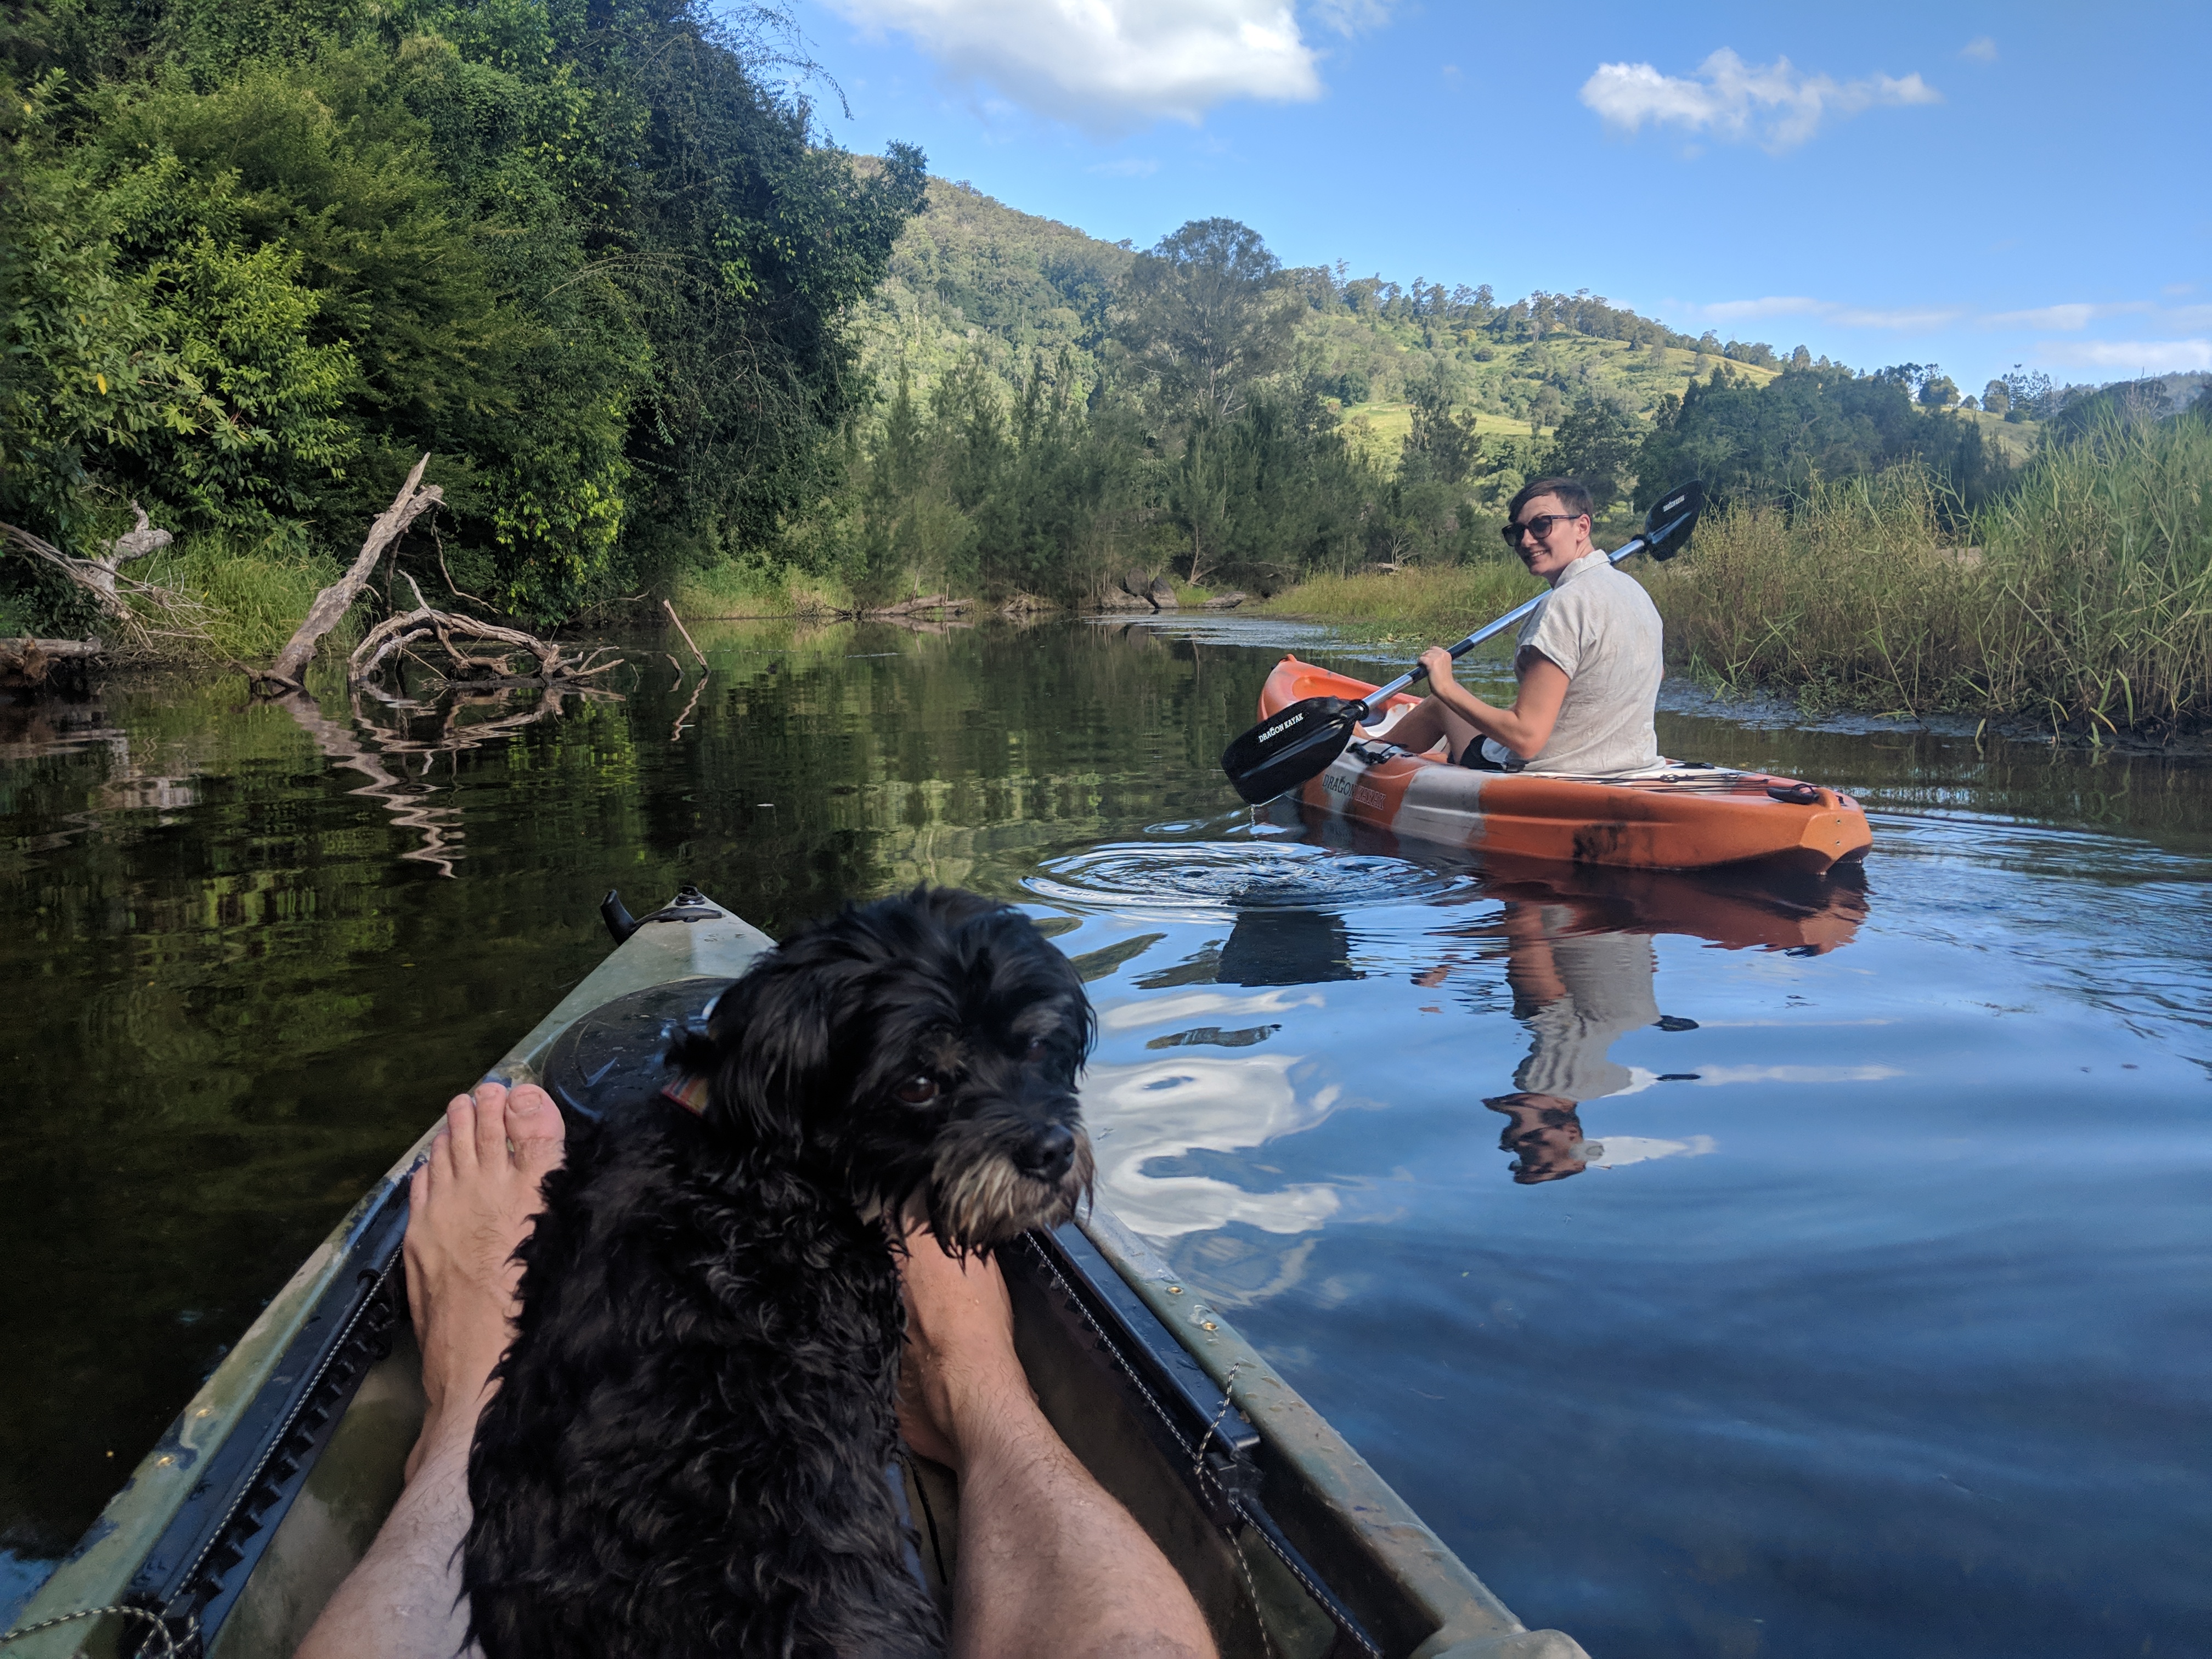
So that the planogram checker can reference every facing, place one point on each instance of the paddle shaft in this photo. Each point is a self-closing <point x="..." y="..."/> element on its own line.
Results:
<point x="1382" y="693"/>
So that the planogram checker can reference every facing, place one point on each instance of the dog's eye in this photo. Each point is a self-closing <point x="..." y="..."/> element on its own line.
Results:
<point x="918" y="1091"/>
<point x="1035" y="1050"/>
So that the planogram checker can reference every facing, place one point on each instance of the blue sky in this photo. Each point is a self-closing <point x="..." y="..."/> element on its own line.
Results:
<point x="1972" y="185"/>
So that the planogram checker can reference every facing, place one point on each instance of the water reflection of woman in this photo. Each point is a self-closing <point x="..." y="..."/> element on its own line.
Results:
<point x="1578" y="993"/>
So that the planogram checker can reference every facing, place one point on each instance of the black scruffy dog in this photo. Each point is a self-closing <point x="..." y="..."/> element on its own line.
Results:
<point x="687" y="1453"/>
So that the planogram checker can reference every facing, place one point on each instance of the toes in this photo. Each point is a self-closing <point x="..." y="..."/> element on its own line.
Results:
<point x="442" y="1166"/>
<point x="458" y="1143"/>
<point x="491" y="1124"/>
<point x="534" y="1125"/>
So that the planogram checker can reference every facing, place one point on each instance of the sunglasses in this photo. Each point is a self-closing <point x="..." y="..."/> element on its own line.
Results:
<point x="1539" y="527"/>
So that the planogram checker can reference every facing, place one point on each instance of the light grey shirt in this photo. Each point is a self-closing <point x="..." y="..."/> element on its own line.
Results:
<point x="1599" y="626"/>
<point x="1609" y="981"/>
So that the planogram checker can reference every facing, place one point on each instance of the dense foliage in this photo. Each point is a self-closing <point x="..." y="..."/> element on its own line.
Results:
<point x="256" y="257"/>
<point x="1768" y="442"/>
<point x="2086" y="602"/>
<point x="1196" y="409"/>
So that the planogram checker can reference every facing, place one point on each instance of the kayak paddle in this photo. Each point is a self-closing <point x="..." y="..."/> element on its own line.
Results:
<point x="1287" y="747"/>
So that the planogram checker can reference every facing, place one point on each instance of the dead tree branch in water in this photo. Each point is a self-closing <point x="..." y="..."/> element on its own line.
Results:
<point x="102" y="577"/>
<point x="288" y="671"/>
<point x="25" y="663"/>
<point x="397" y="633"/>
<point x="685" y="632"/>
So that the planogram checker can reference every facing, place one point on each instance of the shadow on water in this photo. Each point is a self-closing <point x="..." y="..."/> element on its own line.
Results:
<point x="1721" y="1265"/>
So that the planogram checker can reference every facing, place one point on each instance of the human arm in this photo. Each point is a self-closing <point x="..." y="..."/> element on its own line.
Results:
<point x="1048" y="1561"/>
<point x="1524" y="728"/>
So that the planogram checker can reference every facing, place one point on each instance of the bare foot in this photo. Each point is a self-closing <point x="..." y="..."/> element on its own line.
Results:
<point x="470" y="1206"/>
<point x="959" y="1376"/>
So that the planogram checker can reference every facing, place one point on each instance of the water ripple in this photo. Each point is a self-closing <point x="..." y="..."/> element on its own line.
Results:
<point x="1242" y="876"/>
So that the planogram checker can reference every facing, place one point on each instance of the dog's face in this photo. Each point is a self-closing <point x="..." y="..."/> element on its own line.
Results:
<point x="921" y="1053"/>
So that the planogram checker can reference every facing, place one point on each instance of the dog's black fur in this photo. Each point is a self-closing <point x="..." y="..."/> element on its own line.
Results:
<point x="686" y="1455"/>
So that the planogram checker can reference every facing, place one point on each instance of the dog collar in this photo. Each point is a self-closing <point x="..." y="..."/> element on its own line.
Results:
<point x="690" y="1093"/>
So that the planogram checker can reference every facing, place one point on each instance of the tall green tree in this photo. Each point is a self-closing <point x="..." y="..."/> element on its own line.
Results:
<point x="1768" y="442"/>
<point x="1598" y="442"/>
<point x="1207" y="312"/>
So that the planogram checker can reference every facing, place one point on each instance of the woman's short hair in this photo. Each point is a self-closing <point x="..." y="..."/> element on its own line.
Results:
<point x="1574" y="495"/>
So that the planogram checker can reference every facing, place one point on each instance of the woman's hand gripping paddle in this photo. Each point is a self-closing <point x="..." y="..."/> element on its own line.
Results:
<point x="1301" y="741"/>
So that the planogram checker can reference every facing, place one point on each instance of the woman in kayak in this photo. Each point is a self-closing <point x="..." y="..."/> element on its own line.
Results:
<point x="1589" y="660"/>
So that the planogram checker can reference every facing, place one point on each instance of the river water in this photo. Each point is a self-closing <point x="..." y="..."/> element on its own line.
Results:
<point x="1843" y="1289"/>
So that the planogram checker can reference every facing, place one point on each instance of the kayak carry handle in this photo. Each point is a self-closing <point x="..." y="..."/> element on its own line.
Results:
<point x="690" y="904"/>
<point x="616" y="916"/>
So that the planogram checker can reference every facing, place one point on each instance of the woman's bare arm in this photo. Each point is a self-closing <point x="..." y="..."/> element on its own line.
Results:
<point x="1524" y="728"/>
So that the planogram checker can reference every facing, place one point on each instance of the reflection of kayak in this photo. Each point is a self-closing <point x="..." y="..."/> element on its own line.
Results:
<point x="1764" y="907"/>
<point x="1685" y="818"/>
<point x="267" y="1489"/>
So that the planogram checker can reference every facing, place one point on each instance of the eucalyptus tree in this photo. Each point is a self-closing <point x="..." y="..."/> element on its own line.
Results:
<point x="1208" y="313"/>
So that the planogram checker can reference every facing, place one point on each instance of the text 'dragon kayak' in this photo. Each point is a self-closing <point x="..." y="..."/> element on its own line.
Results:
<point x="1683" y="818"/>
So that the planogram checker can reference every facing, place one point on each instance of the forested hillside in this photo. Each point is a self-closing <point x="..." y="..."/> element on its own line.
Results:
<point x="1059" y="410"/>
<point x="256" y="259"/>
<point x="971" y="274"/>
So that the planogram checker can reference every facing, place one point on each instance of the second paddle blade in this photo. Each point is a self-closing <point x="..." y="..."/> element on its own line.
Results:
<point x="1286" y="749"/>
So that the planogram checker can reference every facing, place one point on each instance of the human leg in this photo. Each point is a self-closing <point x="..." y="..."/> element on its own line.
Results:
<point x="1049" y="1562"/>
<point x="470" y="1206"/>
<point x="1429" y="723"/>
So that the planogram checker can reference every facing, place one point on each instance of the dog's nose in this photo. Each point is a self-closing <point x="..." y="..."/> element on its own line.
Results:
<point x="1048" y="1156"/>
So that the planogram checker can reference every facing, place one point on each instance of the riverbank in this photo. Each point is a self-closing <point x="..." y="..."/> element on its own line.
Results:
<point x="2082" y="600"/>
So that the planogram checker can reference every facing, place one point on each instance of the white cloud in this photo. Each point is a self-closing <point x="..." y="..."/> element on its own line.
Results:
<point x="2069" y="317"/>
<point x="2133" y="357"/>
<point x="1740" y="311"/>
<point x="1827" y="311"/>
<point x="1350" y="17"/>
<point x="1773" y="106"/>
<point x="1108" y="64"/>
<point x="1981" y="49"/>
<point x="1905" y="317"/>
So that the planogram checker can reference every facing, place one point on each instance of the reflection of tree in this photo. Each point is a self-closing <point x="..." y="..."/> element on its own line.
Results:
<point x="373" y="747"/>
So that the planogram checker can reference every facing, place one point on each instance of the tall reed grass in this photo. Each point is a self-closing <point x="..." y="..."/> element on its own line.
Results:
<point x="735" y="590"/>
<point x="2083" y="597"/>
<point x="1428" y="604"/>
<point x="243" y="598"/>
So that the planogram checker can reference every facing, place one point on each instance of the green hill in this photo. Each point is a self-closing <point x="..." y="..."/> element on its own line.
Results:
<point x="970" y="275"/>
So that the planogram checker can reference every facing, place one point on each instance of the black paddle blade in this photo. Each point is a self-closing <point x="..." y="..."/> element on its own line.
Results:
<point x="1672" y="517"/>
<point x="1284" y="749"/>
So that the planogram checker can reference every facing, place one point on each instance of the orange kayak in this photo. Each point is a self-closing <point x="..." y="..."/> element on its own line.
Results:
<point x="1685" y="817"/>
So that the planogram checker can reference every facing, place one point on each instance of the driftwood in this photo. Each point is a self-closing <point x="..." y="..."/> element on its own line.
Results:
<point x="670" y="609"/>
<point x="27" y="662"/>
<point x="288" y="672"/>
<point x="102" y="577"/>
<point x="394" y="634"/>
<point x="905" y="608"/>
